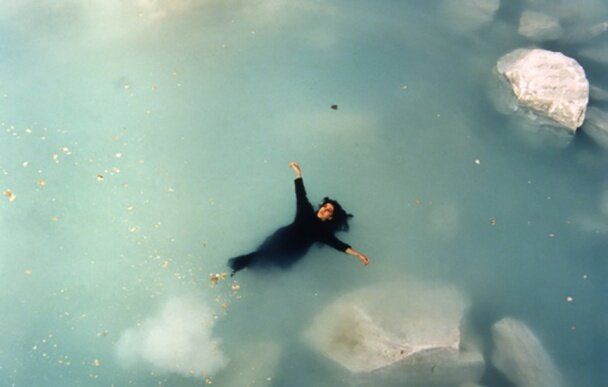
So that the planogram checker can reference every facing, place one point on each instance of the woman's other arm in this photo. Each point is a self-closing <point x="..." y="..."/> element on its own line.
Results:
<point x="362" y="257"/>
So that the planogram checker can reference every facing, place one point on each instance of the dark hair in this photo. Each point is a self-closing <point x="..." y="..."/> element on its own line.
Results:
<point x="339" y="219"/>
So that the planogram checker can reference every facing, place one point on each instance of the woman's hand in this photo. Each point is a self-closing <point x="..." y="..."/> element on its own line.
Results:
<point x="362" y="257"/>
<point x="296" y="168"/>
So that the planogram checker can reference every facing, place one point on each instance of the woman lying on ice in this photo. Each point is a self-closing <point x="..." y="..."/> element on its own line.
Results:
<point x="290" y="243"/>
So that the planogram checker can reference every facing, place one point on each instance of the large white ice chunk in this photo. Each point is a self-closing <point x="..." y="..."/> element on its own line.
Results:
<point x="521" y="357"/>
<point x="407" y="331"/>
<point x="547" y="83"/>
<point x="179" y="339"/>
<point x="539" y="27"/>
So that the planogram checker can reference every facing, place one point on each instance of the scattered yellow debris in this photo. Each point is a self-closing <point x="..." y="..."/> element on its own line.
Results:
<point x="217" y="277"/>
<point x="214" y="278"/>
<point x="9" y="195"/>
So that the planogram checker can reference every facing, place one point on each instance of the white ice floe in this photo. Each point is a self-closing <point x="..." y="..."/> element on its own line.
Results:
<point x="177" y="340"/>
<point x="547" y="84"/>
<point x="539" y="27"/>
<point x="407" y="332"/>
<point x="520" y="356"/>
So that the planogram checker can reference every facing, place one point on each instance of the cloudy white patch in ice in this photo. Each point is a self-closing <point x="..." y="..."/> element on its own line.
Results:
<point x="177" y="340"/>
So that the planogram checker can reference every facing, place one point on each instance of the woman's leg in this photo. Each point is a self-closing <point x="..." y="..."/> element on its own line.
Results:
<point x="241" y="262"/>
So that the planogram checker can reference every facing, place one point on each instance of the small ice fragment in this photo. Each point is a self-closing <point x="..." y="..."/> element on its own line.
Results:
<point x="569" y="299"/>
<point x="585" y="276"/>
<point x="118" y="155"/>
<point x="477" y="162"/>
<point x="27" y="271"/>
<point x="25" y="164"/>
<point x="96" y="363"/>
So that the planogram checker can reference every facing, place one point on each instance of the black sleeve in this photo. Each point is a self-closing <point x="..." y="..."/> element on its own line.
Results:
<point x="303" y="205"/>
<point x="334" y="242"/>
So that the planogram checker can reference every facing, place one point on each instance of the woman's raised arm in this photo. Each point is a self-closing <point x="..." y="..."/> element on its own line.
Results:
<point x="296" y="168"/>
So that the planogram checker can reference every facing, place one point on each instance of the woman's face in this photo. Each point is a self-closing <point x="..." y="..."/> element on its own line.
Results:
<point x="325" y="212"/>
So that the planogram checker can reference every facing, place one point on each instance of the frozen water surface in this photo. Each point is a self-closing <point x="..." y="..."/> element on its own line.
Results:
<point x="143" y="143"/>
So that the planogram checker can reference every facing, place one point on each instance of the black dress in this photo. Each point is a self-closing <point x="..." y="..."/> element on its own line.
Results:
<point x="290" y="243"/>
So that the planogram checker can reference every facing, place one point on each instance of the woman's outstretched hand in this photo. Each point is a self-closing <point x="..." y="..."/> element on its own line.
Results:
<point x="296" y="168"/>
<point x="362" y="257"/>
